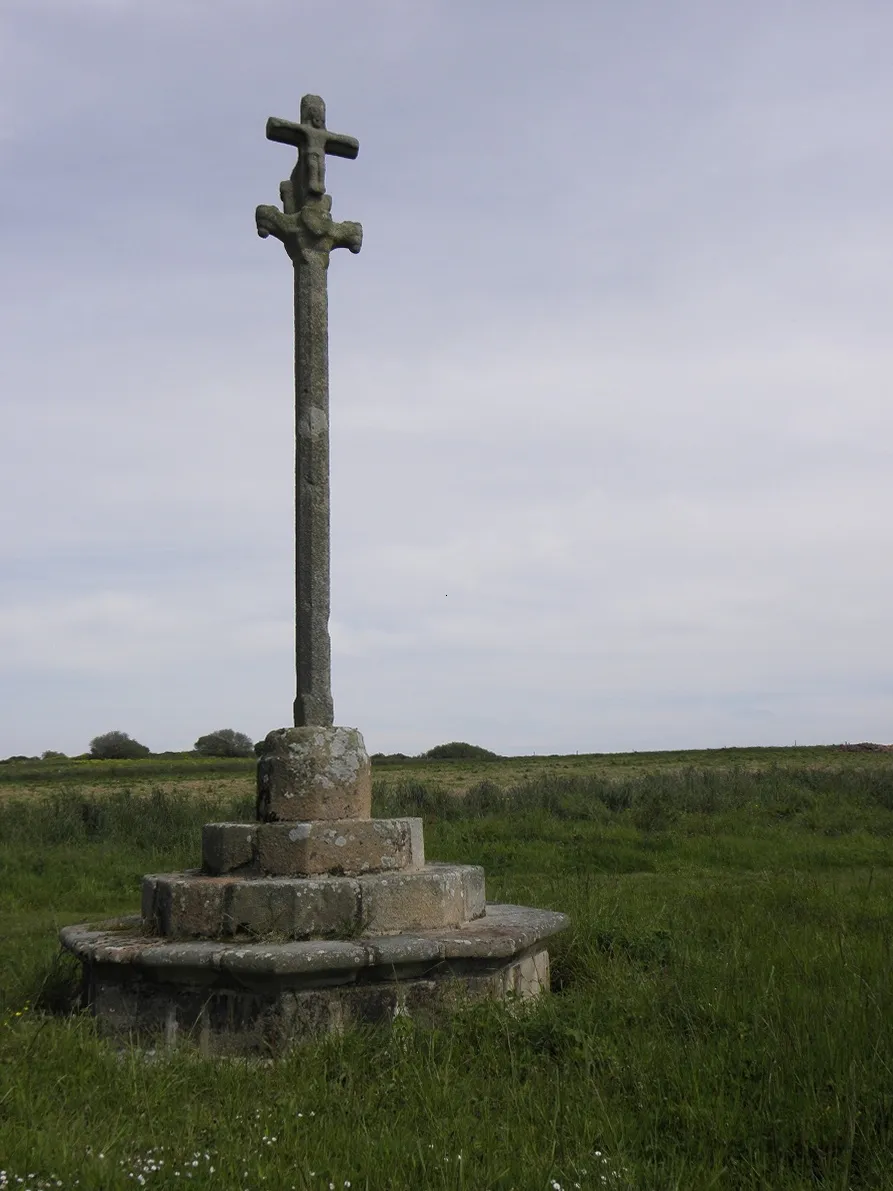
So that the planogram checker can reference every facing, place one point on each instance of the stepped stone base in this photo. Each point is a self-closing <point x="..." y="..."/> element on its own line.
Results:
<point x="260" y="998"/>
<point x="335" y="847"/>
<point x="194" y="905"/>
<point x="312" y="919"/>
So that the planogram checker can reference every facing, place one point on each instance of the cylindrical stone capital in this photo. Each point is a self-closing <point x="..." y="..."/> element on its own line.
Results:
<point x="310" y="773"/>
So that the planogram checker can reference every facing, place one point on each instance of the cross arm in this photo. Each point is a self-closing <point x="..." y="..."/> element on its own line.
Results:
<point x="340" y="145"/>
<point x="347" y="235"/>
<point x="311" y="229"/>
<point x="316" y="218"/>
<point x="273" y="222"/>
<point x="285" y="132"/>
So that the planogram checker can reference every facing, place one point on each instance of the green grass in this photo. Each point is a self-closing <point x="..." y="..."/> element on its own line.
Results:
<point x="75" y="771"/>
<point x="720" y="1017"/>
<point x="452" y="775"/>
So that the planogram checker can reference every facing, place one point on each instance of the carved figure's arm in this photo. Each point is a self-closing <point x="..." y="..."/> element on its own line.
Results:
<point x="339" y="145"/>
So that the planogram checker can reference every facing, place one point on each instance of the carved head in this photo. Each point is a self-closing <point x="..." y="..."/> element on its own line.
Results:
<point x="313" y="111"/>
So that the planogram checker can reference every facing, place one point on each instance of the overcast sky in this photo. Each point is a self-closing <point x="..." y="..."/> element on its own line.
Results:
<point x="612" y="464"/>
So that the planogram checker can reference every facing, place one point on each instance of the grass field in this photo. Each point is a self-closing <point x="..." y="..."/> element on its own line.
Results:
<point x="720" y="1017"/>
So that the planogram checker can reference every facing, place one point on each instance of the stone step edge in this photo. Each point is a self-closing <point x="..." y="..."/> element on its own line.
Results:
<point x="193" y="904"/>
<point x="503" y="931"/>
<point x="342" y="847"/>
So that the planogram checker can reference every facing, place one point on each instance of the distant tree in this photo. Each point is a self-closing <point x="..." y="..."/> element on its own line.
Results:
<point x="51" y="755"/>
<point x="459" y="750"/>
<point x="224" y="743"/>
<point x="117" y="746"/>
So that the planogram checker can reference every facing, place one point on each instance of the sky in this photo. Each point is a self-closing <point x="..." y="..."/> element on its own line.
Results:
<point x="612" y="462"/>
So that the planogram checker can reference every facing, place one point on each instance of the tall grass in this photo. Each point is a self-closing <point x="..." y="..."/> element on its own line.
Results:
<point x="76" y="771"/>
<point x="720" y="1015"/>
<point x="840" y="798"/>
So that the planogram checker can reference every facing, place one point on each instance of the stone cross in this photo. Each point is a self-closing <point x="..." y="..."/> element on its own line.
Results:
<point x="313" y="141"/>
<point x="308" y="233"/>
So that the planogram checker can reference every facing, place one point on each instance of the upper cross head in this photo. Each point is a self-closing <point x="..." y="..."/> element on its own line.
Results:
<point x="313" y="111"/>
<point x="313" y="141"/>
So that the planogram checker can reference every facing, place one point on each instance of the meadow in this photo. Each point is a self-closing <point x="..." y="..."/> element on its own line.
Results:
<point x="720" y="1014"/>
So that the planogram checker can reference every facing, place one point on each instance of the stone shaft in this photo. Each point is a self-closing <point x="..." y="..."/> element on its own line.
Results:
<point x="313" y="650"/>
<point x="308" y="232"/>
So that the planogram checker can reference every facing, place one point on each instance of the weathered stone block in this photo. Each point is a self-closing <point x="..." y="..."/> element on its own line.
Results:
<point x="473" y="891"/>
<point x="295" y="909"/>
<point x="437" y="896"/>
<point x="326" y="906"/>
<point x="346" y="847"/>
<point x="147" y="906"/>
<point x="195" y="905"/>
<point x="185" y="905"/>
<point x="228" y="846"/>
<point x="313" y="773"/>
<point x="259" y="907"/>
<point x="530" y="975"/>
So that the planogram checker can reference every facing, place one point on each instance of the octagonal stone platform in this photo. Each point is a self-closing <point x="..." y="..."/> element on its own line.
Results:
<point x="260" y="998"/>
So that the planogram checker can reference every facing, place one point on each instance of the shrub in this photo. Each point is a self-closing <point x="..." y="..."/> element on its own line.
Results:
<point x="51" y="755"/>
<point x="117" y="746"/>
<point x="459" y="750"/>
<point x="224" y="743"/>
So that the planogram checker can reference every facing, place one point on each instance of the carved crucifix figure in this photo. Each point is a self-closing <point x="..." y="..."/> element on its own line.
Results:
<point x="313" y="141"/>
<point x="308" y="232"/>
